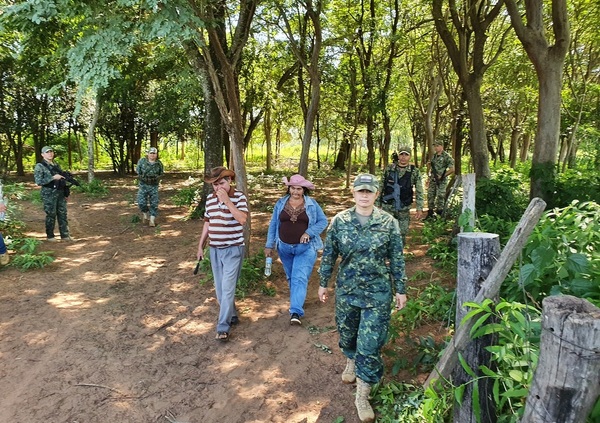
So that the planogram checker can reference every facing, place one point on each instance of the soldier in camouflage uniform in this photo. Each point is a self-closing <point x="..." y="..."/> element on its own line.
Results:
<point x="405" y="176"/>
<point x="149" y="170"/>
<point x="370" y="246"/>
<point x="440" y="167"/>
<point x="46" y="175"/>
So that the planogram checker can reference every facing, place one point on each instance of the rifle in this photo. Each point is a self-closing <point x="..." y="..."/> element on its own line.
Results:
<point x="434" y="173"/>
<point x="69" y="177"/>
<point x="394" y="195"/>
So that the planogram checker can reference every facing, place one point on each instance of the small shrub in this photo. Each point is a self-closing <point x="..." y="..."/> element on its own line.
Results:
<point x="502" y="196"/>
<point x="95" y="189"/>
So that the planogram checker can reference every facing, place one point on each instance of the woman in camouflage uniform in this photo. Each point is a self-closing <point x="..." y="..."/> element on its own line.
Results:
<point x="368" y="241"/>
<point x="150" y="170"/>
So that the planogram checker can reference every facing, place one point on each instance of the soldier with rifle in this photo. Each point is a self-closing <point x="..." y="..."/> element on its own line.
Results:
<point x="440" y="167"/>
<point x="55" y="185"/>
<point x="149" y="169"/>
<point x="401" y="182"/>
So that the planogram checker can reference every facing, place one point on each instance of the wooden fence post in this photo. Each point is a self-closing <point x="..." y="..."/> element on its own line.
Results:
<point x="566" y="382"/>
<point x="489" y="289"/>
<point x="477" y="255"/>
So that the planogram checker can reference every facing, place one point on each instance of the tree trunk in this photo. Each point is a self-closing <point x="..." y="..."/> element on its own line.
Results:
<point x="91" y="137"/>
<point x="548" y="61"/>
<point x="478" y="142"/>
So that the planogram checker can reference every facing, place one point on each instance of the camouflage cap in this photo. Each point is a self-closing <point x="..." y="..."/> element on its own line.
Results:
<point x="366" y="181"/>
<point x="404" y="149"/>
<point x="438" y="142"/>
<point x="47" y="148"/>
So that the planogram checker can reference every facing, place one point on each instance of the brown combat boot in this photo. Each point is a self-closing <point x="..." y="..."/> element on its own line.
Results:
<point x="365" y="412"/>
<point x="349" y="373"/>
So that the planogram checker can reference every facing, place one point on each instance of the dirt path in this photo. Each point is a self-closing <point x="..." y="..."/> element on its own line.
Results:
<point x="118" y="329"/>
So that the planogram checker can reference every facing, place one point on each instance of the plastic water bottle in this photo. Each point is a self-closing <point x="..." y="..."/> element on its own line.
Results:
<point x="2" y="201"/>
<point x="268" y="264"/>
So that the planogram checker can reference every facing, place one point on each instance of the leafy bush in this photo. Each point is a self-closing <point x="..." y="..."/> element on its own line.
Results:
<point x="561" y="256"/>
<point x="576" y="185"/>
<point x="514" y="357"/>
<point x="502" y="196"/>
<point x="96" y="188"/>
<point x="26" y="257"/>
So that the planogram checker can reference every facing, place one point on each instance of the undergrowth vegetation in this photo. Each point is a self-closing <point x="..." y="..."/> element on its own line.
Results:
<point x="562" y="256"/>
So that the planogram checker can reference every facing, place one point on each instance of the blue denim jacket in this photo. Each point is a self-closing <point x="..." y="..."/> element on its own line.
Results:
<point x="317" y="222"/>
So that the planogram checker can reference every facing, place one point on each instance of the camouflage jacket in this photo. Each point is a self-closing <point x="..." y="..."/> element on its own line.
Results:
<point x="149" y="173"/>
<point x="440" y="162"/>
<point x="371" y="256"/>
<point x="415" y="179"/>
<point x="44" y="176"/>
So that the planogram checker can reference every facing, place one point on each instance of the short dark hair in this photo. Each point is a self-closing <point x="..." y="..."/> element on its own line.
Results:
<point x="306" y="190"/>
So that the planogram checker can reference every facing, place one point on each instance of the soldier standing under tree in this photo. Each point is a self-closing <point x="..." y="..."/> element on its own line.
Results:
<point x="367" y="239"/>
<point x="397" y="191"/>
<point x="150" y="170"/>
<point x="47" y="175"/>
<point x="440" y="167"/>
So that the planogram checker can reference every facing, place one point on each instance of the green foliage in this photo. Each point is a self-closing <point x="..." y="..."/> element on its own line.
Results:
<point x="561" y="256"/>
<point x="494" y="225"/>
<point x="514" y="356"/>
<point x="95" y="189"/>
<point x="442" y="246"/>
<point x="26" y="257"/>
<point x="402" y="402"/>
<point x="576" y="185"/>
<point x="503" y="196"/>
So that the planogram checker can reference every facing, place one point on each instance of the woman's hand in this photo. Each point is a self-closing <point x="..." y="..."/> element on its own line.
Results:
<point x="323" y="294"/>
<point x="305" y="238"/>
<point x="268" y="252"/>
<point x="400" y="301"/>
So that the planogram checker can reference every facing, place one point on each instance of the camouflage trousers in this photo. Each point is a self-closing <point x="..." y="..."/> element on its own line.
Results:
<point x="363" y="332"/>
<point x="402" y="216"/>
<point x="147" y="199"/>
<point x="436" y="194"/>
<point x="55" y="207"/>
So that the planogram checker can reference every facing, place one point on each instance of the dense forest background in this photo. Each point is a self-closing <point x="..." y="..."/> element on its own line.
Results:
<point x="331" y="84"/>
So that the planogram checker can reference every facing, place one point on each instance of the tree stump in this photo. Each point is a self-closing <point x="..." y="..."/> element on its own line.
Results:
<point x="478" y="252"/>
<point x="566" y="383"/>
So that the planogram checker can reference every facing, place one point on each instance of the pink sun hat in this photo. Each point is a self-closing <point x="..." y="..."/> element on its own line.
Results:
<point x="298" y="181"/>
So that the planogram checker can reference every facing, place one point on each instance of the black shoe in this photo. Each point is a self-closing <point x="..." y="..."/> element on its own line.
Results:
<point x="234" y="320"/>
<point x="295" y="319"/>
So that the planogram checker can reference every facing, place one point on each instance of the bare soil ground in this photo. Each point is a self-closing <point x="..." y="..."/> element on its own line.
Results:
<point x="118" y="329"/>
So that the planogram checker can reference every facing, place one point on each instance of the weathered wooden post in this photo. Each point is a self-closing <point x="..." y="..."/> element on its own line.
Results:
<point x="566" y="383"/>
<point x="477" y="255"/>
<point x="489" y="289"/>
<point x="469" y="185"/>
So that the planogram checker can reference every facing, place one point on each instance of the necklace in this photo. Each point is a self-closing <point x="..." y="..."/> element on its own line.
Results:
<point x="292" y="211"/>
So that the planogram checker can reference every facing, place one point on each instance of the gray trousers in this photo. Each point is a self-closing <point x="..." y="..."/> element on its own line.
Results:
<point x="226" y="266"/>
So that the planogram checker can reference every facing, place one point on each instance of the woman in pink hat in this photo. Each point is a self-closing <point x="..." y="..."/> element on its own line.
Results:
<point x="295" y="230"/>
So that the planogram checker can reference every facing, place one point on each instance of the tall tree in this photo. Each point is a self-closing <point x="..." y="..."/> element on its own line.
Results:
<point x="468" y="49"/>
<point x="548" y="61"/>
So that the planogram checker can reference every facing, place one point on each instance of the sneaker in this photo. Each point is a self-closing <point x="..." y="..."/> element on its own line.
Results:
<point x="295" y="319"/>
<point x="4" y="259"/>
<point x="52" y="239"/>
<point x="144" y="217"/>
<point x="67" y="238"/>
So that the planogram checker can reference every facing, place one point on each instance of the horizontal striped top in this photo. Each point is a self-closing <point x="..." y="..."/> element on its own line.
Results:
<point x="224" y="230"/>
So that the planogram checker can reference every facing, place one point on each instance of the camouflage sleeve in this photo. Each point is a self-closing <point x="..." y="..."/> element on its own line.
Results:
<point x="397" y="259"/>
<point x="418" y="183"/>
<point x="42" y="175"/>
<point x="449" y="161"/>
<point x="330" y="254"/>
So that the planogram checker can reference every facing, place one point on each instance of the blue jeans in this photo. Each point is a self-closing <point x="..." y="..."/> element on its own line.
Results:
<point x="2" y="245"/>
<point x="298" y="262"/>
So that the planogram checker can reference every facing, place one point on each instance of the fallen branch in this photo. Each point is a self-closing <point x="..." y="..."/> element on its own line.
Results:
<point x="93" y="385"/>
